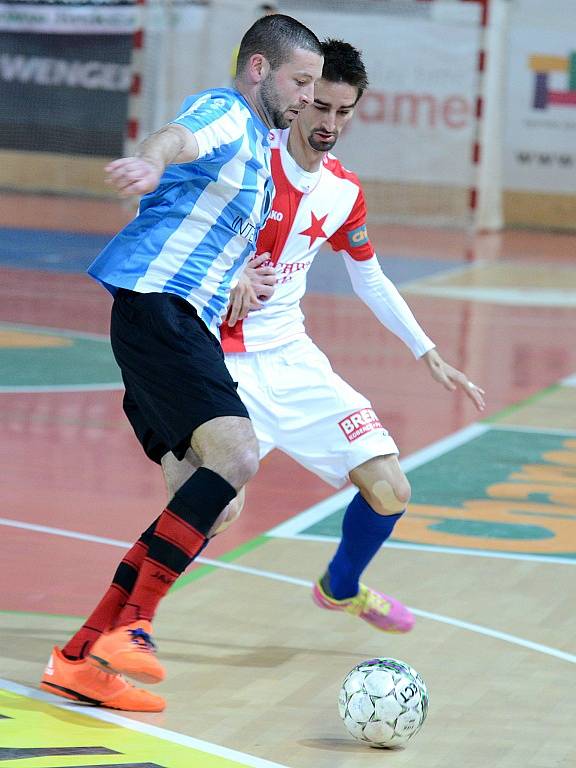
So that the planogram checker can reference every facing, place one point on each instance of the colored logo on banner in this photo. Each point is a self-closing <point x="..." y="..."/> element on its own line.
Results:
<point x="543" y="68"/>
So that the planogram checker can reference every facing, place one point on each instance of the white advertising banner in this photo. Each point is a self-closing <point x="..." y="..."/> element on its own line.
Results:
<point x="69" y="19"/>
<point x="416" y="123"/>
<point x="540" y="132"/>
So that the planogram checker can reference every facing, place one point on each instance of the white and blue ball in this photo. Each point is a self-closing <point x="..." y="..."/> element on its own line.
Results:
<point x="383" y="702"/>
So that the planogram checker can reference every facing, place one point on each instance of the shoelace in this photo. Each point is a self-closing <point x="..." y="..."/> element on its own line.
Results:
<point x="142" y="639"/>
<point x="373" y="600"/>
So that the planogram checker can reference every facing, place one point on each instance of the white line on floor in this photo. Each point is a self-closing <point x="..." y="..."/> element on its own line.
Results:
<point x="446" y="550"/>
<point x="135" y="725"/>
<point x="493" y="633"/>
<point x="329" y="506"/>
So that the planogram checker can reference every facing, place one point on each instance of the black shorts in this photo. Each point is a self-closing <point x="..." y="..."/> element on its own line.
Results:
<point x="173" y="370"/>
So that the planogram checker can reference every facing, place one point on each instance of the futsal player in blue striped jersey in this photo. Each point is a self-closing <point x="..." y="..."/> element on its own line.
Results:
<point x="207" y="190"/>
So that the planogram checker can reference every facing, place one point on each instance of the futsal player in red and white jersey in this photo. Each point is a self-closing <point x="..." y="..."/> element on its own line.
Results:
<point x="295" y="400"/>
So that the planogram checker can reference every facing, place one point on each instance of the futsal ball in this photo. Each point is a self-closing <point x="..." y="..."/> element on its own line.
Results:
<point x="383" y="702"/>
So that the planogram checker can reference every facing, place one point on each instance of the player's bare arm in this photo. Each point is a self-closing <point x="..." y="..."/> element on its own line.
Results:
<point x="453" y="379"/>
<point x="141" y="173"/>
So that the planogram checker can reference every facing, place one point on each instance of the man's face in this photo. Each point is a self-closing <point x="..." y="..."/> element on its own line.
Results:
<point x="321" y="123"/>
<point x="287" y="90"/>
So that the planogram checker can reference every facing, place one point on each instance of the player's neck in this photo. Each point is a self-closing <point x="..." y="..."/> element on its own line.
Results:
<point x="254" y="102"/>
<point x="307" y="158"/>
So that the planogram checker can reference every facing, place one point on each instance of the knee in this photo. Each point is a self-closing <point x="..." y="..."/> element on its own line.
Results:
<point x="228" y="446"/>
<point x="403" y="491"/>
<point x="245" y="465"/>
<point x="388" y="498"/>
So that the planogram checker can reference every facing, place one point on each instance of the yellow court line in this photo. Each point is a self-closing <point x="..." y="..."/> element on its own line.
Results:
<point x="35" y="726"/>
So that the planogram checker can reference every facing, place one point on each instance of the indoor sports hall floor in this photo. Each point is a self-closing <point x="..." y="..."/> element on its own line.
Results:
<point x="486" y="557"/>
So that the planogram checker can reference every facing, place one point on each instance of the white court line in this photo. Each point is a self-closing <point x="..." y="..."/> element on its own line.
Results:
<point x="319" y="511"/>
<point x="445" y="550"/>
<point x="569" y="381"/>
<point x="135" y="725"/>
<point x="292" y="529"/>
<point x="65" y="533"/>
<point x="495" y="634"/>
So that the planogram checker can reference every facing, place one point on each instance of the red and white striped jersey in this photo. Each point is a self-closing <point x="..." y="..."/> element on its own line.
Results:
<point x="308" y="210"/>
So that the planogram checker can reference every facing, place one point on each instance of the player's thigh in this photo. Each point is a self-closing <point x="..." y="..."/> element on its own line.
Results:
<point x="173" y="368"/>
<point x="324" y="423"/>
<point x="383" y="484"/>
<point x="250" y="371"/>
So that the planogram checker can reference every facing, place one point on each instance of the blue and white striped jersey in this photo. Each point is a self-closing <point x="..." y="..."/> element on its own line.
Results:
<point x="194" y="233"/>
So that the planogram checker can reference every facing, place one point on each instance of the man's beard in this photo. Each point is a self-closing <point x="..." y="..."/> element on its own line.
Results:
<point x="271" y="103"/>
<point x="321" y="146"/>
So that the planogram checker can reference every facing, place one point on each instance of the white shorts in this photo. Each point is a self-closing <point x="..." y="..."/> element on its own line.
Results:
<point x="299" y="405"/>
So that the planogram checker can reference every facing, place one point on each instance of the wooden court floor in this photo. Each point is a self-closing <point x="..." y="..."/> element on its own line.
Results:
<point x="486" y="556"/>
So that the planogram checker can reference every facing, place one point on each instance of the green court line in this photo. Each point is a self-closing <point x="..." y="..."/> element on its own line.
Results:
<point x="521" y="404"/>
<point x="227" y="557"/>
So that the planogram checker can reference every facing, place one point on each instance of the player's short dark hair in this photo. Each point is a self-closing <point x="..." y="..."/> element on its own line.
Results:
<point x="343" y="64"/>
<point x="276" y="37"/>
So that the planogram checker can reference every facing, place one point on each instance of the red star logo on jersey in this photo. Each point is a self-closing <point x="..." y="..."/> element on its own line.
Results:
<point x="315" y="230"/>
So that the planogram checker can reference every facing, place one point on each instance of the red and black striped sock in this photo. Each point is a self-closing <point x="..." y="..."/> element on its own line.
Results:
<point x="179" y="537"/>
<point x="108" y="609"/>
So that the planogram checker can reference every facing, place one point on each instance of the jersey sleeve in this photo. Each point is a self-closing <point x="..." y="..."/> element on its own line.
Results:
<point x="352" y="236"/>
<point x="215" y="119"/>
<point x="380" y="294"/>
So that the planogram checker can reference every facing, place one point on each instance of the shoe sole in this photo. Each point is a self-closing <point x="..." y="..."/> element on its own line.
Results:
<point x="140" y="675"/>
<point x="71" y="695"/>
<point x="68" y="693"/>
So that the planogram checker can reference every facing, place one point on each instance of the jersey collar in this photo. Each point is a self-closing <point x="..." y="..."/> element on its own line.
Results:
<point x="303" y="181"/>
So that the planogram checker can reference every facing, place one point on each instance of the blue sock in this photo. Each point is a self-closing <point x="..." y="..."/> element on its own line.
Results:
<point x="363" y="533"/>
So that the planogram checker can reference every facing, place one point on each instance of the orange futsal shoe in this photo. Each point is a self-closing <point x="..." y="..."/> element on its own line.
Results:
<point x="82" y="682"/>
<point x="130" y="651"/>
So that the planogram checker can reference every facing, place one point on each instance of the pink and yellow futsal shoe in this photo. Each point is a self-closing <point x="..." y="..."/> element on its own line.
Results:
<point x="381" y="611"/>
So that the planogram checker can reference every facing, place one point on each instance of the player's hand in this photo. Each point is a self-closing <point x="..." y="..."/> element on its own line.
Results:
<point x="242" y="299"/>
<point x="262" y="277"/>
<point x="255" y="285"/>
<point x="453" y="379"/>
<point x="133" y="176"/>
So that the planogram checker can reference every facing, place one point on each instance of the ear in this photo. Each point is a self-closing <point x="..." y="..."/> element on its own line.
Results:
<point x="258" y="67"/>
